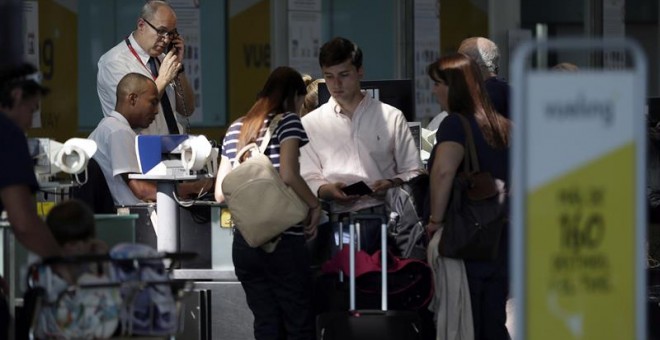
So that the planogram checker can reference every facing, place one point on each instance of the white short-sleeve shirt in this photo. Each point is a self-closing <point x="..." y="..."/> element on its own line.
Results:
<point x="116" y="155"/>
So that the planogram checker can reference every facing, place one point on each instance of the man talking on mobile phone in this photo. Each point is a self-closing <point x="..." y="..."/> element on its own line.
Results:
<point x="156" y="50"/>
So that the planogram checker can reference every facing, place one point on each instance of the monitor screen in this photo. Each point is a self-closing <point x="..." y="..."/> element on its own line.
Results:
<point x="398" y="93"/>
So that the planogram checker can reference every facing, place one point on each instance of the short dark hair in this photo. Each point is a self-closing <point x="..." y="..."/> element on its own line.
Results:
<point x="337" y="50"/>
<point x="24" y="76"/>
<point x="71" y="221"/>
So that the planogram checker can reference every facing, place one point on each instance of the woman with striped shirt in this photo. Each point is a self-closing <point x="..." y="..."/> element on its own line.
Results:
<point x="277" y="284"/>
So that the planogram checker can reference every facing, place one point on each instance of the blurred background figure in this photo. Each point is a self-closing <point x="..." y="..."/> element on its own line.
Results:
<point x="566" y="67"/>
<point x="487" y="56"/>
<point x="20" y="95"/>
<point x="312" y="98"/>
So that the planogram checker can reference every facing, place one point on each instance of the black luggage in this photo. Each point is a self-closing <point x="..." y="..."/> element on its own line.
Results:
<point x="380" y="324"/>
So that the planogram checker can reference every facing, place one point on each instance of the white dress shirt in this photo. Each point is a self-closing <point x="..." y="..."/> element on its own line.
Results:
<point x="116" y="155"/>
<point x="375" y="144"/>
<point x="118" y="62"/>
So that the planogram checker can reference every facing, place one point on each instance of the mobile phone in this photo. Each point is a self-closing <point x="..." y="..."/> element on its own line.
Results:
<point x="169" y="48"/>
<point x="358" y="188"/>
<point x="171" y="45"/>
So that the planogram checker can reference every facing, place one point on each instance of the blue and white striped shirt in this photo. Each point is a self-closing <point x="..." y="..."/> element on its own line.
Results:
<point x="288" y="127"/>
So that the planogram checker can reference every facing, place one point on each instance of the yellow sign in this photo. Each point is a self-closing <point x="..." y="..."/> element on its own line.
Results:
<point x="225" y="218"/>
<point x="43" y="208"/>
<point x="577" y="243"/>
<point x="249" y="54"/>
<point x="580" y="241"/>
<point x="58" y="32"/>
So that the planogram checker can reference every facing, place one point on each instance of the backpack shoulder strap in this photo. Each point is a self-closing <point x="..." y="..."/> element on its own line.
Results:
<point x="269" y="133"/>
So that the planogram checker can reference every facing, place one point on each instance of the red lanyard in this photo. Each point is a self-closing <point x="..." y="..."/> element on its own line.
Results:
<point x="130" y="47"/>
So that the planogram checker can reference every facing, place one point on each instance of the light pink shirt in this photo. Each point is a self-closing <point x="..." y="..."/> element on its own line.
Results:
<point x="375" y="144"/>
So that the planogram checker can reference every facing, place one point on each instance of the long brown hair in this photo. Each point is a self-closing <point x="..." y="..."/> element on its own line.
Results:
<point x="277" y="96"/>
<point x="467" y="96"/>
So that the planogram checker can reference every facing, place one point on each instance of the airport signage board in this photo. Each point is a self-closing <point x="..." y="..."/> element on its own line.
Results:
<point x="578" y="209"/>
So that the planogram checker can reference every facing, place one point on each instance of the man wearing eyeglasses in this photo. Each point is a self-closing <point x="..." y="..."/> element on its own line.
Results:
<point x="154" y="49"/>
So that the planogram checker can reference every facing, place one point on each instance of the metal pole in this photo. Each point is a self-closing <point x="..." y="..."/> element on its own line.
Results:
<point x="168" y="216"/>
<point x="279" y="33"/>
<point x="541" y="53"/>
<point x="593" y="28"/>
<point x="503" y="16"/>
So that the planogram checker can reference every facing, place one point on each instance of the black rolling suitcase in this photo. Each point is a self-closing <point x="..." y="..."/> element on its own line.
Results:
<point x="359" y="324"/>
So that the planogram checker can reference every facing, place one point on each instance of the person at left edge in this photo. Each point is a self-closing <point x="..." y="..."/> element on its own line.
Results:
<point x="156" y="29"/>
<point x="20" y="94"/>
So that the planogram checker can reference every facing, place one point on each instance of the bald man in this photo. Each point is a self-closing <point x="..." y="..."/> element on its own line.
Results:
<point x="487" y="56"/>
<point x="136" y="109"/>
<point x="155" y="31"/>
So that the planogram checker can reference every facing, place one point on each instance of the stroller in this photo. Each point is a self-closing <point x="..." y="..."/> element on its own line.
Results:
<point x="128" y="292"/>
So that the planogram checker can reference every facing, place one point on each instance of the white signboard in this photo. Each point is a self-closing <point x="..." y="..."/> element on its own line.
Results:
<point x="578" y="209"/>
<point x="427" y="50"/>
<point x="305" y="42"/>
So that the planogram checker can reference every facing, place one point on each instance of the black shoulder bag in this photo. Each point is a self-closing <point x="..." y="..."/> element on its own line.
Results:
<point x="477" y="210"/>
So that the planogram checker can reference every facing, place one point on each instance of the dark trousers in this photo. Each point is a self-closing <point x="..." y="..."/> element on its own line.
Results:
<point x="278" y="288"/>
<point x="488" y="296"/>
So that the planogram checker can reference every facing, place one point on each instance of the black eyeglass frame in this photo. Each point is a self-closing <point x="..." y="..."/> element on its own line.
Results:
<point x="161" y="32"/>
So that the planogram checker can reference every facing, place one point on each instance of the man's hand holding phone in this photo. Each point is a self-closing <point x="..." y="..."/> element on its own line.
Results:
<point x="357" y="189"/>
<point x="176" y="44"/>
<point x="172" y="63"/>
<point x="344" y="193"/>
<point x="333" y="192"/>
<point x="170" y="66"/>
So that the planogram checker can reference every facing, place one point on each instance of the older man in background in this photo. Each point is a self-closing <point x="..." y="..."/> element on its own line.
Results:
<point x="487" y="56"/>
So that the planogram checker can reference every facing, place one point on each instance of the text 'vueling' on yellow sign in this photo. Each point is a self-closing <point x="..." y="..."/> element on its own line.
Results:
<point x="580" y="220"/>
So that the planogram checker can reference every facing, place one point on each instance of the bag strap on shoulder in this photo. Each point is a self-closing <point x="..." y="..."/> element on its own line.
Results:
<point x="471" y="163"/>
<point x="269" y="133"/>
<point x="253" y="147"/>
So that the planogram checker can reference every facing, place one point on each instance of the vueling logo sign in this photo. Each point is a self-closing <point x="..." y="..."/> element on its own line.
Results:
<point x="580" y="108"/>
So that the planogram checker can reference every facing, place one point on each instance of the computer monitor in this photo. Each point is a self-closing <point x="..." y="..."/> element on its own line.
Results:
<point x="398" y="93"/>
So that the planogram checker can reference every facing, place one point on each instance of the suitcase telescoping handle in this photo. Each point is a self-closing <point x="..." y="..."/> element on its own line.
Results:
<point x="383" y="256"/>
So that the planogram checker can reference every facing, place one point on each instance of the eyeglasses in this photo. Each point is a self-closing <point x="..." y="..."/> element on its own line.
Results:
<point x="162" y="32"/>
